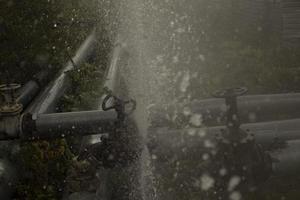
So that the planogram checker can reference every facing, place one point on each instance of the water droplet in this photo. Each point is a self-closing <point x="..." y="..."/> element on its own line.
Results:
<point x="185" y="83"/>
<point x="202" y="133"/>
<point x="223" y="172"/>
<point x="208" y="144"/>
<point x="192" y="132"/>
<point x="202" y="57"/>
<point x="196" y="120"/>
<point x="187" y="111"/>
<point x="205" y="156"/>
<point x="154" y="157"/>
<point x="207" y="182"/>
<point x="235" y="196"/>
<point x="233" y="182"/>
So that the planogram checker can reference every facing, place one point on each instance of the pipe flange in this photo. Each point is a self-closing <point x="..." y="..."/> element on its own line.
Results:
<point x="8" y="105"/>
<point x="11" y="109"/>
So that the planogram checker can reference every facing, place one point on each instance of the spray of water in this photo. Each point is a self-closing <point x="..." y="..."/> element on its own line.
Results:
<point x="158" y="42"/>
<point x="140" y="81"/>
<point x="136" y="28"/>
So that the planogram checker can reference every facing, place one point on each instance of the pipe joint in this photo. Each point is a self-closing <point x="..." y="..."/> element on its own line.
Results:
<point x="10" y="112"/>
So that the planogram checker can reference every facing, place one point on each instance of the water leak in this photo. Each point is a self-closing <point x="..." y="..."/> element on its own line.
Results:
<point x="154" y="35"/>
<point x="140" y="81"/>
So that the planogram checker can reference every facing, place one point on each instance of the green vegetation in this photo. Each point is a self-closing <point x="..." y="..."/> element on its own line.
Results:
<point x="44" y="166"/>
<point x="87" y="80"/>
<point x="35" y="35"/>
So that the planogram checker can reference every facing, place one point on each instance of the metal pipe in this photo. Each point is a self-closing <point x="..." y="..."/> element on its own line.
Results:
<point x="281" y="140"/>
<point x="28" y="92"/>
<point x="47" y="101"/>
<point x="60" y="125"/>
<point x="265" y="133"/>
<point x="112" y="73"/>
<point x="113" y="81"/>
<point x="31" y="89"/>
<point x="252" y="108"/>
<point x="172" y="141"/>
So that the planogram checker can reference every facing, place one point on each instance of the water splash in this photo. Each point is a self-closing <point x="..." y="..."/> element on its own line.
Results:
<point x="158" y="43"/>
<point x="141" y="79"/>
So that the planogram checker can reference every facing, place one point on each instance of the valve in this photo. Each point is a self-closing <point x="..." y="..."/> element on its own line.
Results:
<point x="236" y="149"/>
<point x="9" y="105"/>
<point x="121" y="146"/>
<point x="10" y="111"/>
<point x="232" y="119"/>
<point x="118" y="104"/>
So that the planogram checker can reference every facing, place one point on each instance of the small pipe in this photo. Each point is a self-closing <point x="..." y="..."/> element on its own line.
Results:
<point x="61" y="125"/>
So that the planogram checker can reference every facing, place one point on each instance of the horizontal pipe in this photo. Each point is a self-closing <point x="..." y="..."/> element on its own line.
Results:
<point x="59" y="125"/>
<point x="75" y="123"/>
<point x="47" y="101"/>
<point x="252" y="108"/>
<point x="265" y="133"/>
<point x="281" y="140"/>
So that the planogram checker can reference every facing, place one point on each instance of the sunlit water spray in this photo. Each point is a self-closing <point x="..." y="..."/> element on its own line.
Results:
<point x="160" y="45"/>
<point x="140" y="82"/>
<point x="135" y="33"/>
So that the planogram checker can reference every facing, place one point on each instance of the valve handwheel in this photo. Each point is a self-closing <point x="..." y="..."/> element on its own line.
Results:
<point x="8" y="103"/>
<point x="9" y="91"/>
<point x="105" y="101"/>
<point x="230" y="92"/>
<point x="232" y="119"/>
<point x="11" y="86"/>
<point x="118" y="104"/>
